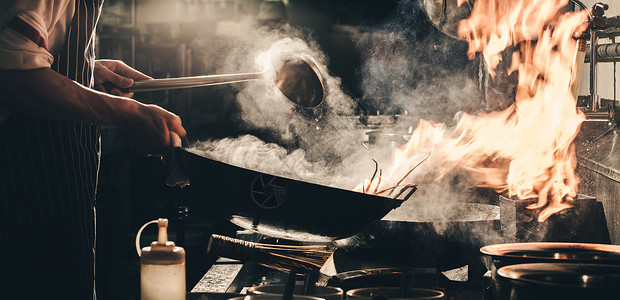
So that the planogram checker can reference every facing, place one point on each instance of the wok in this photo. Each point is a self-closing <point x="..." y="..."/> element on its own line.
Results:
<point x="431" y="241"/>
<point x="277" y="206"/>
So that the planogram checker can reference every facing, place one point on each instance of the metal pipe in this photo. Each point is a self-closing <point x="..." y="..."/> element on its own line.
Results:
<point x="594" y="102"/>
<point x="579" y="62"/>
<point x="605" y="51"/>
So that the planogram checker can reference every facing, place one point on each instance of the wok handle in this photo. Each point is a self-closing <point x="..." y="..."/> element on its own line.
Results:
<point x="177" y="176"/>
<point x="189" y="82"/>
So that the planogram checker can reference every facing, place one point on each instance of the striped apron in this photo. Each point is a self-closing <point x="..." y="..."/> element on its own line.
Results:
<point x="48" y="180"/>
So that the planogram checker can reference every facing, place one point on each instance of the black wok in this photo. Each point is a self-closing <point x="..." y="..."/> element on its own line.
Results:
<point x="426" y="241"/>
<point x="277" y="206"/>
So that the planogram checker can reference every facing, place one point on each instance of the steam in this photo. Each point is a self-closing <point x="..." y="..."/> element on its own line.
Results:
<point x="425" y="80"/>
<point x="249" y="152"/>
<point x="323" y="145"/>
<point x="431" y="78"/>
<point x="320" y="145"/>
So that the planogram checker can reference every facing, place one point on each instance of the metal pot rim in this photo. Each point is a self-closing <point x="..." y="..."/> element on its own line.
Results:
<point x="590" y="274"/>
<point x="507" y="250"/>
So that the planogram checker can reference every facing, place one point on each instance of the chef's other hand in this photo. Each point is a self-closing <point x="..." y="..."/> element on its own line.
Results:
<point x="149" y="128"/>
<point x="114" y="77"/>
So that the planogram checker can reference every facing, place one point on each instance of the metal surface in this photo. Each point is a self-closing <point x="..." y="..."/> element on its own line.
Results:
<point x="598" y="149"/>
<point x="189" y="82"/>
<point x="325" y="292"/>
<point x="277" y="206"/>
<point x="562" y="281"/>
<point x="219" y="277"/>
<point x="598" y="168"/>
<point x="607" y="115"/>
<point x="446" y="14"/>
<point x="394" y="293"/>
<point x="554" y="252"/>
<point x="583" y="222"/>
<point x="298" y="79"/>
<point x="301" y="82"/>
<point x="521" y="253"/>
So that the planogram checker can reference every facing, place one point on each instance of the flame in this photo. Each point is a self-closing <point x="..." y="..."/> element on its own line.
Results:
<point x="527" y="149"/>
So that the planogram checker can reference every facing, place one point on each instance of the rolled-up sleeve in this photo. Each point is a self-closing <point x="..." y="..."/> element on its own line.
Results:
<point x="20" y="51"/>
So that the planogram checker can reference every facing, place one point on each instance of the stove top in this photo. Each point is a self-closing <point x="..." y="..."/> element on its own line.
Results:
<point x="346" y="272"/>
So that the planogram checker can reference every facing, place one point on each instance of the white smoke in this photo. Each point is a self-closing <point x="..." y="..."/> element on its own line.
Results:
<point x="327" y="141"/>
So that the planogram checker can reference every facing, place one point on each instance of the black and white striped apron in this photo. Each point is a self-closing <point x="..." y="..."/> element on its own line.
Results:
<point x="48" y="180"/>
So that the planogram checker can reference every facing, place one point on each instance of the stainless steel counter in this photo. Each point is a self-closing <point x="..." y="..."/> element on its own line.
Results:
<point x="598" y="167"/>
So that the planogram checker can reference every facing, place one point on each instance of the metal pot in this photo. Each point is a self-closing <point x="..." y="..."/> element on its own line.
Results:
<point x="545" y="252"/>
<point x="277" y="206"/>
<point x="275" y="297"/>
<point x="325" y="292"/>
<point x="394" y="293"/>
<point x="562" y="281"/>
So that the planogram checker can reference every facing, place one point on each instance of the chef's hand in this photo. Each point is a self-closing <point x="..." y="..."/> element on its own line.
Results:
<point x="150" y="128"/>
<point x="114" y="77"/>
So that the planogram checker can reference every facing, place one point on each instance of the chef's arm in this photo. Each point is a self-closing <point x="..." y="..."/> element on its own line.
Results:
<point x="46" y="93"/>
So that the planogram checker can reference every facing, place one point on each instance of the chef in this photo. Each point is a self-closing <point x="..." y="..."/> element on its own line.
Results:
<point x="52" y="100"/>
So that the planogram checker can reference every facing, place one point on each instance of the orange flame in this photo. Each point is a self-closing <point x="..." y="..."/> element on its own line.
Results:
<point x="527" y="149"/>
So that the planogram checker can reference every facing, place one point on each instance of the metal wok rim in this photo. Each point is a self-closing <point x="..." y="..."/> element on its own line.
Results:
<point x="218" y="160"/>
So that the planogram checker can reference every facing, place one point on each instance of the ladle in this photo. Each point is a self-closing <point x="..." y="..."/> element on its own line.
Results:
<point x="298" y="79"/>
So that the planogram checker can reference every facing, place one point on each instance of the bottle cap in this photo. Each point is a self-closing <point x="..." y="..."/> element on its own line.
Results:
<point x="162" y="251"/>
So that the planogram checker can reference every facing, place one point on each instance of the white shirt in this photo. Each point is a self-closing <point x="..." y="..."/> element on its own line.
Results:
<point x="50" y="18"/>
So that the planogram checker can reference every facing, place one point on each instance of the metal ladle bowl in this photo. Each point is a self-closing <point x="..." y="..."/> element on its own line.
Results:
<point x="298" y="79"/>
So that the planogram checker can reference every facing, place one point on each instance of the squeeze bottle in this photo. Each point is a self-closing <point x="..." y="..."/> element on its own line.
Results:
<point x="162" y="266"/>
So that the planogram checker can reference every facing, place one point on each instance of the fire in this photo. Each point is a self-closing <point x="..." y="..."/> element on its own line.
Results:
<point x="527" y="149"/>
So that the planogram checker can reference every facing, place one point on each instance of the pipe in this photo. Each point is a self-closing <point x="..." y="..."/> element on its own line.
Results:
<point x="605" y="52"/>
<point x="579" y="62"/>
<point x="594" y="101"/>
